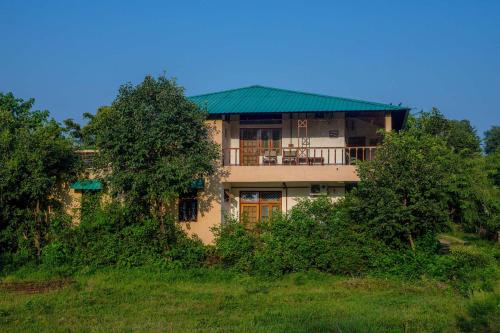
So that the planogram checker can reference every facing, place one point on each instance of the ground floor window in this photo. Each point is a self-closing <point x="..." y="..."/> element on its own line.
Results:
<point x="188" y="206"/>
<point x="259" y="205"/>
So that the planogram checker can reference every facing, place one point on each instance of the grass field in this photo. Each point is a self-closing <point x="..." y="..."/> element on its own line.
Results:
<point x="220" y="301"/>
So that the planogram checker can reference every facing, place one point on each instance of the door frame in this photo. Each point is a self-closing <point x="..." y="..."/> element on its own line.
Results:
<point x="259" y="146"/>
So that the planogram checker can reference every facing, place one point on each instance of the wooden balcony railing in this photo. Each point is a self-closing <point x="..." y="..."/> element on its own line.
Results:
<point x="297" y="156"/>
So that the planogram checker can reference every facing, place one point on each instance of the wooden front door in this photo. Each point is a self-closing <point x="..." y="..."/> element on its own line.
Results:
<point x="249" y="144"/>
<point x="250" y="213"/>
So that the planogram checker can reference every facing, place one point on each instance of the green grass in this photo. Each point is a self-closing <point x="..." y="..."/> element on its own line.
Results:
<point x="219" y="301"/>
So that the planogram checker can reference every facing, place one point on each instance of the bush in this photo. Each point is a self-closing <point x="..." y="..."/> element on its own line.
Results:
<point x="314" y="235"/>
<point x="111" y="236"/>
<point x="235" y="245"/>
<point x="466" y="268"/>
<point x="483" y="315"/>
<point x="405" y="262"/>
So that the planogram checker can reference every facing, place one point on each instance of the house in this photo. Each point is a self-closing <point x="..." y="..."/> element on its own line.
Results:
<point x="279" y="146"/>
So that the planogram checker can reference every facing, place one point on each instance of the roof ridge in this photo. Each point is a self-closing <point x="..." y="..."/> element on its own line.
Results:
<point x="227" y="90"/>
<point x="304" y="93"/>
<point x="330" y="96"/>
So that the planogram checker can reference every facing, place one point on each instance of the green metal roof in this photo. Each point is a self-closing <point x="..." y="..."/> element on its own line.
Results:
<point x="87" y="185"/>
<point x="256" y="99"/>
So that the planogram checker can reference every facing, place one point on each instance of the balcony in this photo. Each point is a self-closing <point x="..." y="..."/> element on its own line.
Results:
<point x="307" y="156"/>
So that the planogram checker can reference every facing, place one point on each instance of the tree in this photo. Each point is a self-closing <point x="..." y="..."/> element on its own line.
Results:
<point x="474" y="200"/>
<point x="402" y="194"/>
<point x="459" y="135"/>
<point x="462" y="137"/>
<point x="84" y="137"/>
<point x="156" y="142"/>
<point x="492" y="139"/>
<point x="36" y="159"/>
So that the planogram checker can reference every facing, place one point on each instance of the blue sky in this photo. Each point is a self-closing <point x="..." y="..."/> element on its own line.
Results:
<point x="73" y="55"/>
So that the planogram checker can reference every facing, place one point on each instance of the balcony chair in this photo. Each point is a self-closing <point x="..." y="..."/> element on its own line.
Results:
<point x="270" y="157"/>
<point x="290" y="156"/>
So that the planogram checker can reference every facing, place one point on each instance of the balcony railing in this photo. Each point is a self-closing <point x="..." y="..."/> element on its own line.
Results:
<point x="297" y="156"/>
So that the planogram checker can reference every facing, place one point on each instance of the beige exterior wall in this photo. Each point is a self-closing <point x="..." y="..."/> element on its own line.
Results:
<point x="289" y="173"/>
<point x="210" y="199"/>
<point x="318" y="129"/>
<point x="388" y="121"/>
<point x="72" y="201"/>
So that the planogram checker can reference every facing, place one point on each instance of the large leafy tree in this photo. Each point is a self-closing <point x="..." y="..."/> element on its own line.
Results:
<point x="402" y="192"/>
<point x="36" y="159"/>
<point x="472" y="194"/>
<point x="473" y="197"/>
<point x="85" y="136"/>
<point x="492" y="139"/>
<point x="156" y="143"/>
<point x="459" y="135"/>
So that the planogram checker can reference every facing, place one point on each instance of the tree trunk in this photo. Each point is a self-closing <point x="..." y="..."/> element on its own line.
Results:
<point x="412" y="243"/>
<point x="36" y="231"/>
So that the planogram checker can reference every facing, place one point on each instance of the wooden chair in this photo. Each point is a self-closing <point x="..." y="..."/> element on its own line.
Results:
<point x="270" y="157"/>
<point x="289" y="156"/>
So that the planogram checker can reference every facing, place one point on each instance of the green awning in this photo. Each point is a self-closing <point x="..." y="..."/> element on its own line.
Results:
<point x="87" y="185"/>
<point x="198" y="184"/>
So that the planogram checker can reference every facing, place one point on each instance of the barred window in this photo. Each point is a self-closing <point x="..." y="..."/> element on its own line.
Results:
<point x="188" y="207"/>
<point x="270" y="196"/>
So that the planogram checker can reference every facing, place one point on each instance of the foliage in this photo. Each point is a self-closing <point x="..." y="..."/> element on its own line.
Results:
<point x="493" y="168"/>
<point x="466" y="268"/>
<point x="314" y="235"/>
<point x="110" y="236"/>
<point x="401" y="195"/>
<point x="459" y="135"/>
<point x="235" y="245"/>
<point x="492" y="140"/>
<point x="473" y="199"/>
<point x="35" y="161"/>
<point x="157" y="144"/>
<point x="483" y="315"/>
<point x="83" y="137"/>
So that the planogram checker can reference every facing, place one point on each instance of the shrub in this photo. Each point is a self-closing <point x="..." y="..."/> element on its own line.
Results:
<point x="111" y="236"/>
<point x="466" y="268"/>
<point x="235" y="245"/>
<point x="406" y="263"/>
<point x="314" y="235"/>
<point x="483" y="315"/>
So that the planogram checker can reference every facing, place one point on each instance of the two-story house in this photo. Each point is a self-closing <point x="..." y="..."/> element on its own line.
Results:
<point x="279" y="146"/>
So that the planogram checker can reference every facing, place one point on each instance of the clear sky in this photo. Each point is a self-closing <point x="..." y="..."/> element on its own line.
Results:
<point x="73" y="55"/>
